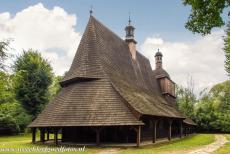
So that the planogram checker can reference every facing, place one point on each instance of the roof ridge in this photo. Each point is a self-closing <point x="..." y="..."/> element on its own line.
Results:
<point x="116" y="35"/>
<point x="107" y="29"/>
<point x="143" y="56"/>
<point x="113" y="90"/>
<point x="95" y="34"/>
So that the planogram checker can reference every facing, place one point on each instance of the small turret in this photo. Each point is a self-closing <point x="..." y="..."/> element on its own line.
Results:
<point x="129" y="39"/>
<point x="158" y="60"/>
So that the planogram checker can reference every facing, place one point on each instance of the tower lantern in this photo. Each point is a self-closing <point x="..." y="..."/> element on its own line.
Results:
<point x="129" y="39"/>
<point x="158" y="60"/>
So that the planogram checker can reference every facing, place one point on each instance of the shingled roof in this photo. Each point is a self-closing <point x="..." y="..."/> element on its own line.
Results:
<point x="105" y="86"/>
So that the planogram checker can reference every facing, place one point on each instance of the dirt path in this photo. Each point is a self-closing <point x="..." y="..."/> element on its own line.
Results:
<point x="108" y="151"/>
<point x="220" y="140"/>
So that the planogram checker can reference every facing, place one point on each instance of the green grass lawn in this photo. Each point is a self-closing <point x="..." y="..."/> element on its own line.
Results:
<point x="176" y="146"/>
<point x="24" y="141"/>
<point x="224" y="149"/>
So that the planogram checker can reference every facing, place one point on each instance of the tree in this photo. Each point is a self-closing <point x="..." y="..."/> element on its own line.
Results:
<point x="205" y="114"/>
<point x="205" y="15"/>
<point x="186" y="98"/>
<point x="4" y="46"/>
<point x="55" y="87"/>
<point x="227" y="49"/>
<point x="220" y="95"/>
<point x="212" y="111"/>
<point x="33" y="77"/>
<point x="6" y="88"/>
<point x="13" y="118"/>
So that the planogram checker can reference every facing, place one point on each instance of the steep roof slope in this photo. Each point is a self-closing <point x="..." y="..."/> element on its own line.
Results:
<point x="87" y="97"/>
<point x="131" y="78"/>
<point x="86" y="103"/>
<point x="103" y="83"/>
<point x="86" y="63"/>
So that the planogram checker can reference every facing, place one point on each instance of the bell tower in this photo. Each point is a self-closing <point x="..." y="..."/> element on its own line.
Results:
<point x="129" y="39"/>
<point x="158" y="59"/>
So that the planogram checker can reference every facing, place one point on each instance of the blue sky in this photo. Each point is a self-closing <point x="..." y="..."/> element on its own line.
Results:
<point x="55" y="27"/>
<point x="150" y="17"/>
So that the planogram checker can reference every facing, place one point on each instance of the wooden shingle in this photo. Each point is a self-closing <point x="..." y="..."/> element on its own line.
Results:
<point x="105" y="86"/>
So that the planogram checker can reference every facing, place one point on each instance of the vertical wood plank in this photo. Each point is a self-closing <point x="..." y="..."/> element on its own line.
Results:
<point x="154" y="131"/>
<point x="56" y="137"/>
<point x="48" y="135"/>
<point x="33" y="135"/>
<point x="97" y="136"/>
<point x="170" y="130"/>
<point x="42" y="135"/>
<point x="181" y="128"/>
<point x="138" y="136"/>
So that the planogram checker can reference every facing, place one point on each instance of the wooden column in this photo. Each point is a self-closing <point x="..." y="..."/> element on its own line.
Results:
<point x="193" y="129"/>
<point x="97" y="130"/>
<point x="56" y="136"/>
<point x="181" y="128"/>
<point x="170" y="130"/>
<point x="48" y="135"/>
<point x="154" y="130"/>
<point x="62" y="132"/>
<point x="115" y="134"/>
<point x="42" y="134"/>
<point x="33" y="135"/>
<point x="185" y="131"/>
<point x="138" y="135"/>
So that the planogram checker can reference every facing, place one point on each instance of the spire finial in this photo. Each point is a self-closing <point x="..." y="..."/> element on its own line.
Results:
<point x="158" y="53"/>
<point x="129" y="19"/>
<point x="91" y="10"/>
<point x="129" y="29"/>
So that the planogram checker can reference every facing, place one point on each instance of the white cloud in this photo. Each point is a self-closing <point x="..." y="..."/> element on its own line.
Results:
<point x="202" y="59"/>
<point x="49" y="31"/>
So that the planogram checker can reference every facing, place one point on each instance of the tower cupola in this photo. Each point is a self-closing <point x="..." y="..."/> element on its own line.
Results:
<point x="129" y="39"/>
<point x="158" y="60"/>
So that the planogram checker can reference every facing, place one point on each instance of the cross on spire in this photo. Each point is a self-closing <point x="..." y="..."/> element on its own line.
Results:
<point x="130" y="31"/>
<point x="91" y="10"/>
<point x="129" y="19"/>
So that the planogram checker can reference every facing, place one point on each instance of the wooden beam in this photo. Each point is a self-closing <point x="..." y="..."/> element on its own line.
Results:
<point x="116" y="135"/>
<point x="62" y="132"/>
<point x="48" y="135"/>
<point x="181" y="128"/>
<point x="97" y="130"/>
<point x="56" y="137"/>
<point x="185" y="131"/>
<point x="170" y="130"/>
<point x="33" y="135"/>
<point x="42" y="135"/>
<point x="138" y="135"/>
<point x="98" y="137"/>
<point x="193" y="129"/>
<point x="154" y="130"/>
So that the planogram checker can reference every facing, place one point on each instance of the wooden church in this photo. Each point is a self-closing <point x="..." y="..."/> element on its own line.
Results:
<point x="111" y="95"/>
